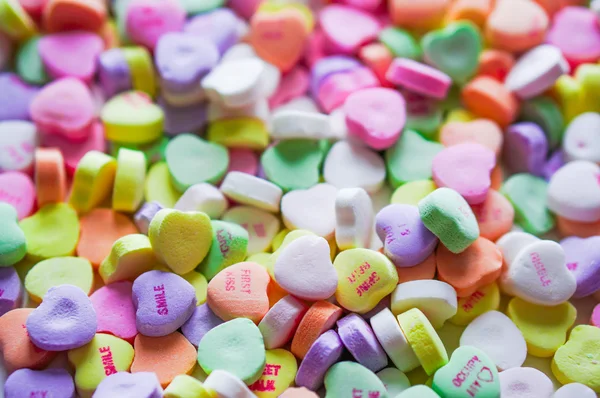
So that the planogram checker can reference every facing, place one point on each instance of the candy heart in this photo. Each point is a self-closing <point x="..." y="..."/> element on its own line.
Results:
<point x="261" y="225"/>
<point x="220" y="26"/>
<point x="436" y="299"/>
<point x="583" y="260"/>
<point x="347" y="28"/>
<point x="76" y="271"/>
<point x="280" y="371"/>
<point x="465" y="168"/>
<point x="13" y="246"/>
<point x="18" y="140"/>
<point x="544" y="112"/>
<point x="229" y="246"/>
<point x="115" y="311"/>
<point x="354" y="218"/>
<point x="17" y="95"/>
<point x="580" y="141"/>
<point x="574" y="191"/>
<point x="512" y="243"/>
<point x="524" y="382"/>
<point x="454" y="50"/>
<point x="279" y="37"/>
<point x="577" y="360"/>
<point x="516" y="26"/>
<point x="203" y="197"/>
<point x="338" y="86"/>
<point x="142" y="384"/>
<point x="577" y="94"/>
<point x="361" y="342"/>
<point x="132" y="118"/>
<point x="495" y="215"/>
<point x="10" y="290"/>
<point x="64" y="107"/>
<point x="201" y="321"/>
<point x="527" y="194"/>
<point x="64" y="320"/>
<point x="486" y="298"/>
<point x="469" y="372"/>
<point x="31" y="383"/>
<point x="71" y="54"/>
<point x="406" y="240"/>
<point x="304" y="269"/>
<point x="575" y="389"/>
<point x="343" y="378"/>
<point x="525" y="149"/>
<point x="480" y="131"/>
<point x="147" y="20"/>
<point x="311" y="209"/>
<point x="328" y="66"/>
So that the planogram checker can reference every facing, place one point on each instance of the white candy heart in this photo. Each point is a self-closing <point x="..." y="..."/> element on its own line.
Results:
<point x="582" y="138"/>
<point x="525" y="383"/>
<point x="250" y="190"/>
<point x="18" y="140"/>
<point x="354" y="218"/>
<point x="512" y="243"/>
<point x="288" y="124"/>
<point x="574" y="191"/>
<point x="203" y="197"/>
<point x="337" y="124"/>
<point x="312" y="209"/>
<point x="538" y="274"/>
<point x="436" y="299"/>
<point x="575" y="390"/>
<point x="496" y="335"/>
<point x="304" y="269"/>
<point x="392" y="339"/>
<point x="303" y="103"/>
<point x="350" y="165"/>
<point x="536" y="71"/>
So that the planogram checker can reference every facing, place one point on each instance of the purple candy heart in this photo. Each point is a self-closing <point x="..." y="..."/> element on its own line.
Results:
<point x="219" y="26"/>
<point x="10" y="290"/>
<point x="359" y="339"/>
<point x="15" y="98"/>
<point x="65" y="319"/>
<point x="114" y="73"/>
<point x="555" y="162"/>
<point x="324" y="352"/>
<point x="201" y="321"/>
<point x="406" y="240"/>
<point x="125" y="384"/>
<point x="27" y="383"/>
<point x="183" y="119"/>
<point x="164" y="301"/>
<point x="583" y="260"/>
<point x="525" y="149"/>
<point x="145" y="214"/>
<point x="327" y="66"/>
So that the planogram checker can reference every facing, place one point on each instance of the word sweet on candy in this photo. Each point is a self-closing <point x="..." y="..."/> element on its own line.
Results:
<point x="263" y="198"/>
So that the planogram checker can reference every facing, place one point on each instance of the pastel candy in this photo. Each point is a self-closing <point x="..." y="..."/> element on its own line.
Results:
<point x="419" y="78"/>
<point x="300" y="124"/>
<point x="345" y="377"/>
<point x="50" y="176"/>
<point x="197" y="325"/>
<point x="281" y="321"/>
<point x="436" y="299"/>
<point x="394" y="381"/>
<point x="130" y="256"/>
<point x="29" y="383"/>
<point x="18" y="139"/>
<point x="261" y="225"/>
<point x="13" y="244"/>
<point x="579" y="142"/>
<point x="519" y="382"/>
<point x="145" y="214"/>
<point x="103" y="356"/>
<point x="419" y="391"/>
<point x="239" y="291"/>
<point x="199" y="283"/>
<point x="494" y="216"/>
<point x="226" y="385"/>
<point x="159" y="187"/>
<point x="575" y="200"/>
<point x="528" y="196"/>
<point x="354" y="218"/>
<point x="324" y="352"/>
<point x="240" y="349"/>
<point x="184" y="386"/>
<point x="406" y="240"/>
<point x="445" y="213"/>
<point x="21" y="94"/>
<point x="576" y="360"/>
<point x="51" y="232"/>
<point x="349" y="165"/>
<point x="64" y="320"/>
<point x="279" y="373"/>
<point x="241" y="132"/>
<point x="486" y="298"/>
<point x="394" y="342"/>
<point x="146" y="21"/>
<point x="204" y="24"/>
<point x="360" y="341"/>
<point x="115" y="312"/>
<point x="470" y="371"/>
<point x="76" y="271"/>
<point x="228" y="247"/>
<point x="298" y="392"/>
<point x="364" y="278"/>
<point x="581" y="260"/>
<point x="128" y="189"/>
<point x="131" y="117"/>
<point x="505" y="32"/>
<point x="328" y="66"/>
<point x="320" y="317"/>
<point x="140" y="384"/>
<point x="574" y="390"/>
<point x="18" y="191"/>
<point x="203" y="197"/>
<point x="480" y="131"/>
<point x="114" y="73"/>
<point x="10" y="290"/>
<point x="250" y="190"/>
<point x="93" y="181"/>
<point x="311" y="209"/>
<point x="424" y="270"/>
<point x="525" y="148"/>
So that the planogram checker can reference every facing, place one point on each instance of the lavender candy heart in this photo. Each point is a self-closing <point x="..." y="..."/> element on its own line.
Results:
<point x="65" y="319"/>
<point x="183" y="119"/>
<point x="10" y="290"/>
<point x="359" y="339"/>
<point x="555" y="162"/>
<point x="145" y="214"/>
<point x="219" y="26"/>
<point x="163" y="301"/>
<point x="327" y="66"/>
<point x="27" y="383"/>
<point x="525" y="149"/>
<point x="201" y="321"/>
<point x="114" y="73"/>
<point x="15" y="97"/>
<point x="182" y="60"/>
<point x="324" y="352"/>
<point x="406" y="240"/>
<point x="583" y="260"/>
<point x="129" y="385"/>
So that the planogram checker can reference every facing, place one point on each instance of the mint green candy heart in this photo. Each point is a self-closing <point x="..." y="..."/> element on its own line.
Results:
<point x="454" y="50"/>
<point x="29" y="63"/>
<point x="294" y="164"/>
<point x="350" y="379"/>
<point x="410" y="158"/>
<point x="401" y="43"/>
<point x="427" y="124"/>
<point x="544" y="112"/>
<point x="192" y="160"/>
<point x="13" y="245"/>
<point x="228" y="247"/>
<point x="154" y="151"/>
<point x="193" y="7"/>
<point x="237" y="347"/>
<point x="420" y="391"/>
<point x="470" y="373"/>
<point x="527" y="194"/>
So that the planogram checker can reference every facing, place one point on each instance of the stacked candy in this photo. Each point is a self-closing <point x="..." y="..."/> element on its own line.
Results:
<point x="349" y="198"/>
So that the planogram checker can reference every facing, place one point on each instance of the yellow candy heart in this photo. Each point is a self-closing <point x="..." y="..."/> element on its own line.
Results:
<point x="483" y="300"/>
<point x="132" y="117"/>
<point x="242" y="132"/>
<point x="412" y="192"/>
<point x="141" y="68"/>
<point x="56" y="271"/>
<point x="279" y="373"/>
<point x="544" y="328"/>
<point x="93" y="180"/>
<point x="579" y="93"/>
<point x="278" y="239"/>
<point x="198" y="281"/>
<point x="184" y="386"/>
<point x="128" y="190"/>
<point x="158" y="186"/>
<point x="364" y="278"/>
<point x="578" y="361"/>
<point x="130" y="256"/>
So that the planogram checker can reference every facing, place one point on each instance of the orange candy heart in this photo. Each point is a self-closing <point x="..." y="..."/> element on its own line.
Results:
<point x="421" y="14"/>
<point x="495" y="216"/>
<point x="495" y="63"/>
<point x="488" y="98"/>
<point x="480" y="131"/>
<point x="516" y="25"/>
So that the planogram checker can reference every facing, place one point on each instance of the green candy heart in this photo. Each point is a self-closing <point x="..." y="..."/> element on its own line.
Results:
<point x="401" y="43"/>
<point x="237" y="347"/>
<point x="420" y="391"/>
<point x="347" y="379"/>
<point x="454" y="50"/>
<point x="545" y="113"/>
<point x="229" y="246"/>
<point x="410" y="158"/>
<point x="29" y="63"/>
<point x="294" y="164"/>
<point x="192" y="160"/>
<point x="154" y="151"/>
<point x="470" y="373"/>
<point x="193" y="7"/>
<point x="13" y="245"/>
<point x="527" y="194"/>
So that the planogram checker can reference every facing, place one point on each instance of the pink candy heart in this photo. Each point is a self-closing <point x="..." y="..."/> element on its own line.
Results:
<point x="71" y="54"/>
<point x="346" y="28"/>
<point x="148" y="20"/>
<point x="17" y="190"/>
